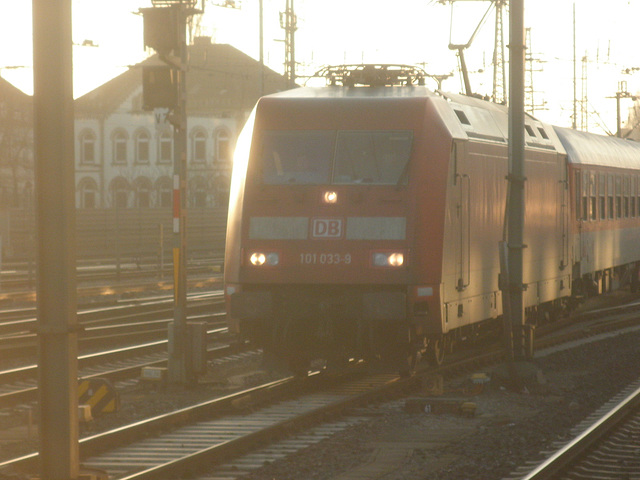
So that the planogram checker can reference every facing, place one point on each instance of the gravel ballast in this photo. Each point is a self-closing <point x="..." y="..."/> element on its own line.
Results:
<point x="508" y="429"/>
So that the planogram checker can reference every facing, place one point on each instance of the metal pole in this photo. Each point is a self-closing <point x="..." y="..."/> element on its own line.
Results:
<point x="179" y="371"/>
<point x="56" y="229"/>
<point x="261" y="29"/>
<point x="618" y="115"/>
<point x="516" y="206"/>
<point x="574" y="123"/>
<point x="290" y="26"/>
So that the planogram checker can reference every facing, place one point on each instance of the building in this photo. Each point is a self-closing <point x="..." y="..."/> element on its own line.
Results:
<point x="124" y="155"/>
<point x="16" y="147"/>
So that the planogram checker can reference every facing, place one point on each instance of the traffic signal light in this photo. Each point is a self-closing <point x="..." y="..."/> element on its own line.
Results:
<point x="159" y="87"/>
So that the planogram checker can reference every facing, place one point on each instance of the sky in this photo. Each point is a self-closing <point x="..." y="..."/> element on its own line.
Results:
<point x="415" y="32"/>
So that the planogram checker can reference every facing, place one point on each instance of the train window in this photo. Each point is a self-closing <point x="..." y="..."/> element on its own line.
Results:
<point x="297" y="157"/>
<point x="602" y="183"/>
<point x="610" y="196"/>
<point x="530" y="130"/>
<point x="372" y="157"/>
<point x="543" y="134"/>
<point x="462" y="117"/>
<point x="592" y="196"/>
<point x="578" y="192"/>
<point x="618" y="196"/>
<point x="638" y="207"/>
<point x="634" y="203"/>
<point x="585" y="196"/>
<point x="627" y="191"/>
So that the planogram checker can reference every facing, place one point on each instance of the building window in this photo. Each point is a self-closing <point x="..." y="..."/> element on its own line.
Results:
<point x="199" y="147"/>
<point x="198" y="188"/>
<point x="223" y="152"/>
<point x="142" y="147"/>
<point x="221" y="190"/>
<point x="120" y="189"/>
<point x="88" y="193"/>
<point x="142" y="189"/>
<point x="87" y="147"/>
<point x="120" y="147"/>
<point x="165" y="192"/>
<point x="165" y="147"/>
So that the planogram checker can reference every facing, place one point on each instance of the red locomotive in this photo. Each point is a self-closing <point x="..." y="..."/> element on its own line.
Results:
<point x="365" y="218"/>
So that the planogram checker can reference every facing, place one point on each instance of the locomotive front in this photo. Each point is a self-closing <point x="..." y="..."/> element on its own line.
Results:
<point x="320" y="236"/>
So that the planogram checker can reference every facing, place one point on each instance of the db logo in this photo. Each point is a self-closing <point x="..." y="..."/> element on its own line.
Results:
<point x="326" y="228"/>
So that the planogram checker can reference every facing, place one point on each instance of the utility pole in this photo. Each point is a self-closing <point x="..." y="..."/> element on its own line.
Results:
<point x="621" y="93"/>
<point x="584" y="98"/>
<point x="261" y="42"/>
<point x="574" y="123"/>
<point x="516" y="177"/>
<point x="289" y="21"/>
<point x="56" y="235"/>
<point x="529" y="88"/>
<point x="165" y="87"/>
<point x="499" y="68"/>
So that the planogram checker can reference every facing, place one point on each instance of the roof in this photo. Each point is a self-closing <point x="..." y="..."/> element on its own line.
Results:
<point x="220" y="79"/>
<point x="9" y="91"/>
<point x="599" y="150"/>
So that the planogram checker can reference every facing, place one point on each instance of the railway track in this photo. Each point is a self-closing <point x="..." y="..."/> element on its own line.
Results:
<point x="605" y="445"/>
<point x="19" y="385"/>
<point x="145" y="342"/>
<point x="183" y="442"/>
<point x="206" y="434"/>
<point x="145" y="320"/>
<point x="21" y="280"/>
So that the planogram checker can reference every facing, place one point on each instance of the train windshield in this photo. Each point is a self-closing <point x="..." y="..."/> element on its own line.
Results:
<point x="297" y="157"/>
<point x="336" y="157"/>
<point x="378" y="157"/>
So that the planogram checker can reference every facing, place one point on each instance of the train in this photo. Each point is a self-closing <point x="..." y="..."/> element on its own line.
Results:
<point x="365" y="217"/>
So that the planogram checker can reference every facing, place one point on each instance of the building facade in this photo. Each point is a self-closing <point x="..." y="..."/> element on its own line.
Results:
<point x="124" y="155"/>
<point x="16" y="147"/>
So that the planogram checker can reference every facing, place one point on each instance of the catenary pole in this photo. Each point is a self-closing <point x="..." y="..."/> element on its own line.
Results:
<point x="56" y="263"/>
<point x="516" y="200"/>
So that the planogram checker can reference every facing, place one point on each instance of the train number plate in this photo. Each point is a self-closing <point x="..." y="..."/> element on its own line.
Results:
<point x="325" y="258"/>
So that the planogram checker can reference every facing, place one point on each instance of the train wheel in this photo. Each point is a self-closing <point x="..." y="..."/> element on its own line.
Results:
<point x="408" y="364"/>
<point x="435" y="351"/>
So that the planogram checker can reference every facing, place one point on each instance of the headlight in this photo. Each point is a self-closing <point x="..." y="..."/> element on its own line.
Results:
<point x="258" y="259"/>
<point x="330" y="197"/>
<point x="388" y="259"/>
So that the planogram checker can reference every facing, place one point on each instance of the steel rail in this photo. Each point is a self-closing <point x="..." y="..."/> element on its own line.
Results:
<point x="135" y="353"/>
<point x="568" y="455"/>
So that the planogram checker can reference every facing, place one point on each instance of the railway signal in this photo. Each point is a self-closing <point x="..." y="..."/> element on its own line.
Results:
<point x="164" y="86"/>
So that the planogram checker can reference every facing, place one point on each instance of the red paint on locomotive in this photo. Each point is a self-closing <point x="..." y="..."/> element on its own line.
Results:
<point x="333" y="253"/>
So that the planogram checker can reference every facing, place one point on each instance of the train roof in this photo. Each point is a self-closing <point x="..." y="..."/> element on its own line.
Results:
<point x="468" y="117"/>
<point x="590" y="149"/>
<point x="356" y="92"/>
<point x="465" y="117"/>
